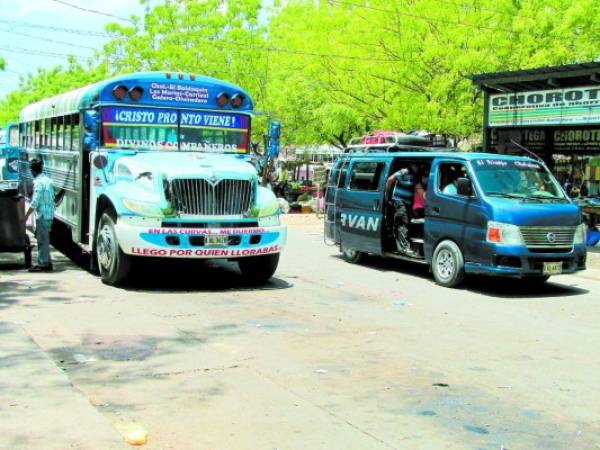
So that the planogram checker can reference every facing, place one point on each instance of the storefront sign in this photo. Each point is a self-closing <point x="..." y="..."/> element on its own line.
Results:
<point x="577" y="105"/>
<point x="549" y="140"/>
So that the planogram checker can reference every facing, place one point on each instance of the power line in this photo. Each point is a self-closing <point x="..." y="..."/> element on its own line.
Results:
<point x="483" y="8"/>
<point x="85" y="47"/>
<point x="93" y="11"/>
<point x="421" y="17"/>
<point x="58" y="29"/>
<point x="26" y="51"/>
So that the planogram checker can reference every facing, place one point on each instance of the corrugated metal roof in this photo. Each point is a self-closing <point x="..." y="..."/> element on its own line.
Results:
<point x="540" y="78"/>
<point x="62" y="104"/>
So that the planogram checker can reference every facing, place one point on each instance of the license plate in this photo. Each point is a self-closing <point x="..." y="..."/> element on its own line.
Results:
<point x="215" y="240"/>
<point x="552" y="268"/>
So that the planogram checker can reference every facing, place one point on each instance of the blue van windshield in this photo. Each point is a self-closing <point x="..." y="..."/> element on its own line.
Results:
<point x="516" y="179"/>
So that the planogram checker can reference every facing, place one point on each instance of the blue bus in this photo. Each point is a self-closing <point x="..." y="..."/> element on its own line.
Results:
<point x="156" y="164"/>
<point x="9" y="152"/>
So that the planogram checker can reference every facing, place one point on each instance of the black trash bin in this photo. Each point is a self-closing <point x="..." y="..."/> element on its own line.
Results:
<point x="13" y="238"/>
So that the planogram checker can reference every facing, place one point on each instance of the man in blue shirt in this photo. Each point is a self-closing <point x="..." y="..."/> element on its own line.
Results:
<point x="42" y="203"/>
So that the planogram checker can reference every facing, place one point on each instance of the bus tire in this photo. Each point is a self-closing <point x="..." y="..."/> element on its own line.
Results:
<point x="258" y="269"/>
<point x="447" y="264"/>
<point x="113" y="264"/>
<point x="352" y="256"/>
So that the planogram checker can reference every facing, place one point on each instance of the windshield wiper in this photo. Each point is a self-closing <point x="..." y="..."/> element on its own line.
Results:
<point x="504" y="194"/>
<point x="545" y="197"/>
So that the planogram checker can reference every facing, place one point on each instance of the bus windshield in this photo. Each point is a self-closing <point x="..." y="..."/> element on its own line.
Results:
<point x="174" y="130"/>
<point x="516" y="179"/>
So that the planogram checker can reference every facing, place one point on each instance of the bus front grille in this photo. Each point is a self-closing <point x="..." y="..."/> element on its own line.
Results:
<point x="199" y="197"/>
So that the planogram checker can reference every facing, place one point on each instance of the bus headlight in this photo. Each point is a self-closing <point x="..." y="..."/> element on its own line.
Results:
<point x="579" y="237"/>
<point x="504" y="233"/>
<point x="269" y="221"/>
<point x="145" y="209"/>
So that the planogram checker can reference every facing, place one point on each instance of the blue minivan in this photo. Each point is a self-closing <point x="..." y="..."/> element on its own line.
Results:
<point x="459" y="213"/>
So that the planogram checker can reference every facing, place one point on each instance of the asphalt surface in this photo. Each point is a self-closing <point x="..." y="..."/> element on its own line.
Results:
<point x="327" y="355"/>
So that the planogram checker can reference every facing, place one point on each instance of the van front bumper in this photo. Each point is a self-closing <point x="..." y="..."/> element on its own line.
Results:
<point x="200" y="243"/>
<point x="519" y="261"/>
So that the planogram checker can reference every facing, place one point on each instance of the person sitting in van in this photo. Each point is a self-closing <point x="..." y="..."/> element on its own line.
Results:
<point x="418" y="209"/>
<point x="451" y="188"/>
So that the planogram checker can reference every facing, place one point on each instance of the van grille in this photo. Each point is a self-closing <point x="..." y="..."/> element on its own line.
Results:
<point x="548" y="237"/>
<point x="199" y="197"/>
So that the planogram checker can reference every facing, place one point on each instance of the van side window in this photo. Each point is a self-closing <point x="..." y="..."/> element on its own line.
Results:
<point x="365" y="176"/>
<point x="341" y="177"/>
<point x="448" y="175"/>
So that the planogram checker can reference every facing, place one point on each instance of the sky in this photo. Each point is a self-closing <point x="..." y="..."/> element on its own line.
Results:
<point x="25" y="47"/>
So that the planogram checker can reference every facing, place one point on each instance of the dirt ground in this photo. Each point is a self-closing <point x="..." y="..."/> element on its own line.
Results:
<point x="327" y="355"/>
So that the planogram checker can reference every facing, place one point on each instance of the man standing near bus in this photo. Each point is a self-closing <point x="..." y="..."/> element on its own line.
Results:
<point x="42" y="203"/>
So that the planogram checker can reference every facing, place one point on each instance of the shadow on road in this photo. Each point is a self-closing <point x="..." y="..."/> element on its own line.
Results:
<point x="520" y="288"/>
<point x="483" y="285"/>
<point x="168" y="275"/>
<point x="175" y="275"/>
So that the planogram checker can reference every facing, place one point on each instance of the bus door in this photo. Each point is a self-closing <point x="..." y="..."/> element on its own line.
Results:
<point x="362" y="206"/>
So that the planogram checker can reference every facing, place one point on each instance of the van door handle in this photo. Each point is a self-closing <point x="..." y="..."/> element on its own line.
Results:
<point x="435" y="211"/>
<point x="376" y="204"/>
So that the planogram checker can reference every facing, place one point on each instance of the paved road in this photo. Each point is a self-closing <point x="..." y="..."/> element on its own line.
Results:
<point x="327" y="356"/>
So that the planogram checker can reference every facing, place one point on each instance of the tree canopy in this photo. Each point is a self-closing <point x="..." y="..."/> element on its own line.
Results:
<point x="331" y="69"/>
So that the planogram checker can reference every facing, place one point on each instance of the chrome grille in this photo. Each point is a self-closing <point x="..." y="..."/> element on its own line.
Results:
<point x="548" y="237"/>
<point x="199" y="197"/>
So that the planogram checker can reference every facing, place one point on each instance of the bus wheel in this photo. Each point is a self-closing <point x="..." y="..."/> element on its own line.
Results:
<point x="258" y="269"/>
<point x="113" y="264"/>
<point x="351" y="255"/>
<point x="448" y="265"/>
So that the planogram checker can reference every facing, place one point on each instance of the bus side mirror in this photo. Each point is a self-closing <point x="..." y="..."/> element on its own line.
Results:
<point x="464" y="187"/>
<point x="90" y="130"/>
<point x="274" y="133"/>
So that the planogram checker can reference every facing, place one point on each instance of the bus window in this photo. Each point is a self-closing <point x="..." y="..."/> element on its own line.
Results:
<point x="60" y="134"/>
<point x="53" y="138"/>
<point x="37" y="142"/>
<point x="67" y="133"/>
<point x="75" y="131"/>
<point x="47" y="133"/>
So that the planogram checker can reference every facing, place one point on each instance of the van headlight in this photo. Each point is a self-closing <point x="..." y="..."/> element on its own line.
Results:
<point x="579" y="237"/>
<point x="504" y="233"/>
<point x="145" y="209"/>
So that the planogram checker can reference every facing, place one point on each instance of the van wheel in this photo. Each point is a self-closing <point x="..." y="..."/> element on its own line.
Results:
<point x="113" y="264"/>
<point x="258" y="269"/>
<point x="448" y="265"/>
<point x="352" y="256"/>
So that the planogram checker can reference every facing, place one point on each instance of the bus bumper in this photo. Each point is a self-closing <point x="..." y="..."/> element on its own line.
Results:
<point x="200" y="243"/>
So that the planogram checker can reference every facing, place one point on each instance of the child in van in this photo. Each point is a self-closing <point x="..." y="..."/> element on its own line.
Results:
<point x="418" y="207"/>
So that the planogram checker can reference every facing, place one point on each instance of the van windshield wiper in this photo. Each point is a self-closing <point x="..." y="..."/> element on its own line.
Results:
<point x="504" y="194"/>
<point x="545" y="197"/>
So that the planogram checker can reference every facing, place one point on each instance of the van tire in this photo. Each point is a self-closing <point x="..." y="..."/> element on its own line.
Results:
<point x="113" y="264"/>
<point x="448" y="264"/>
<point x="258" y="269"/>
<point x="352" y="256"/>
